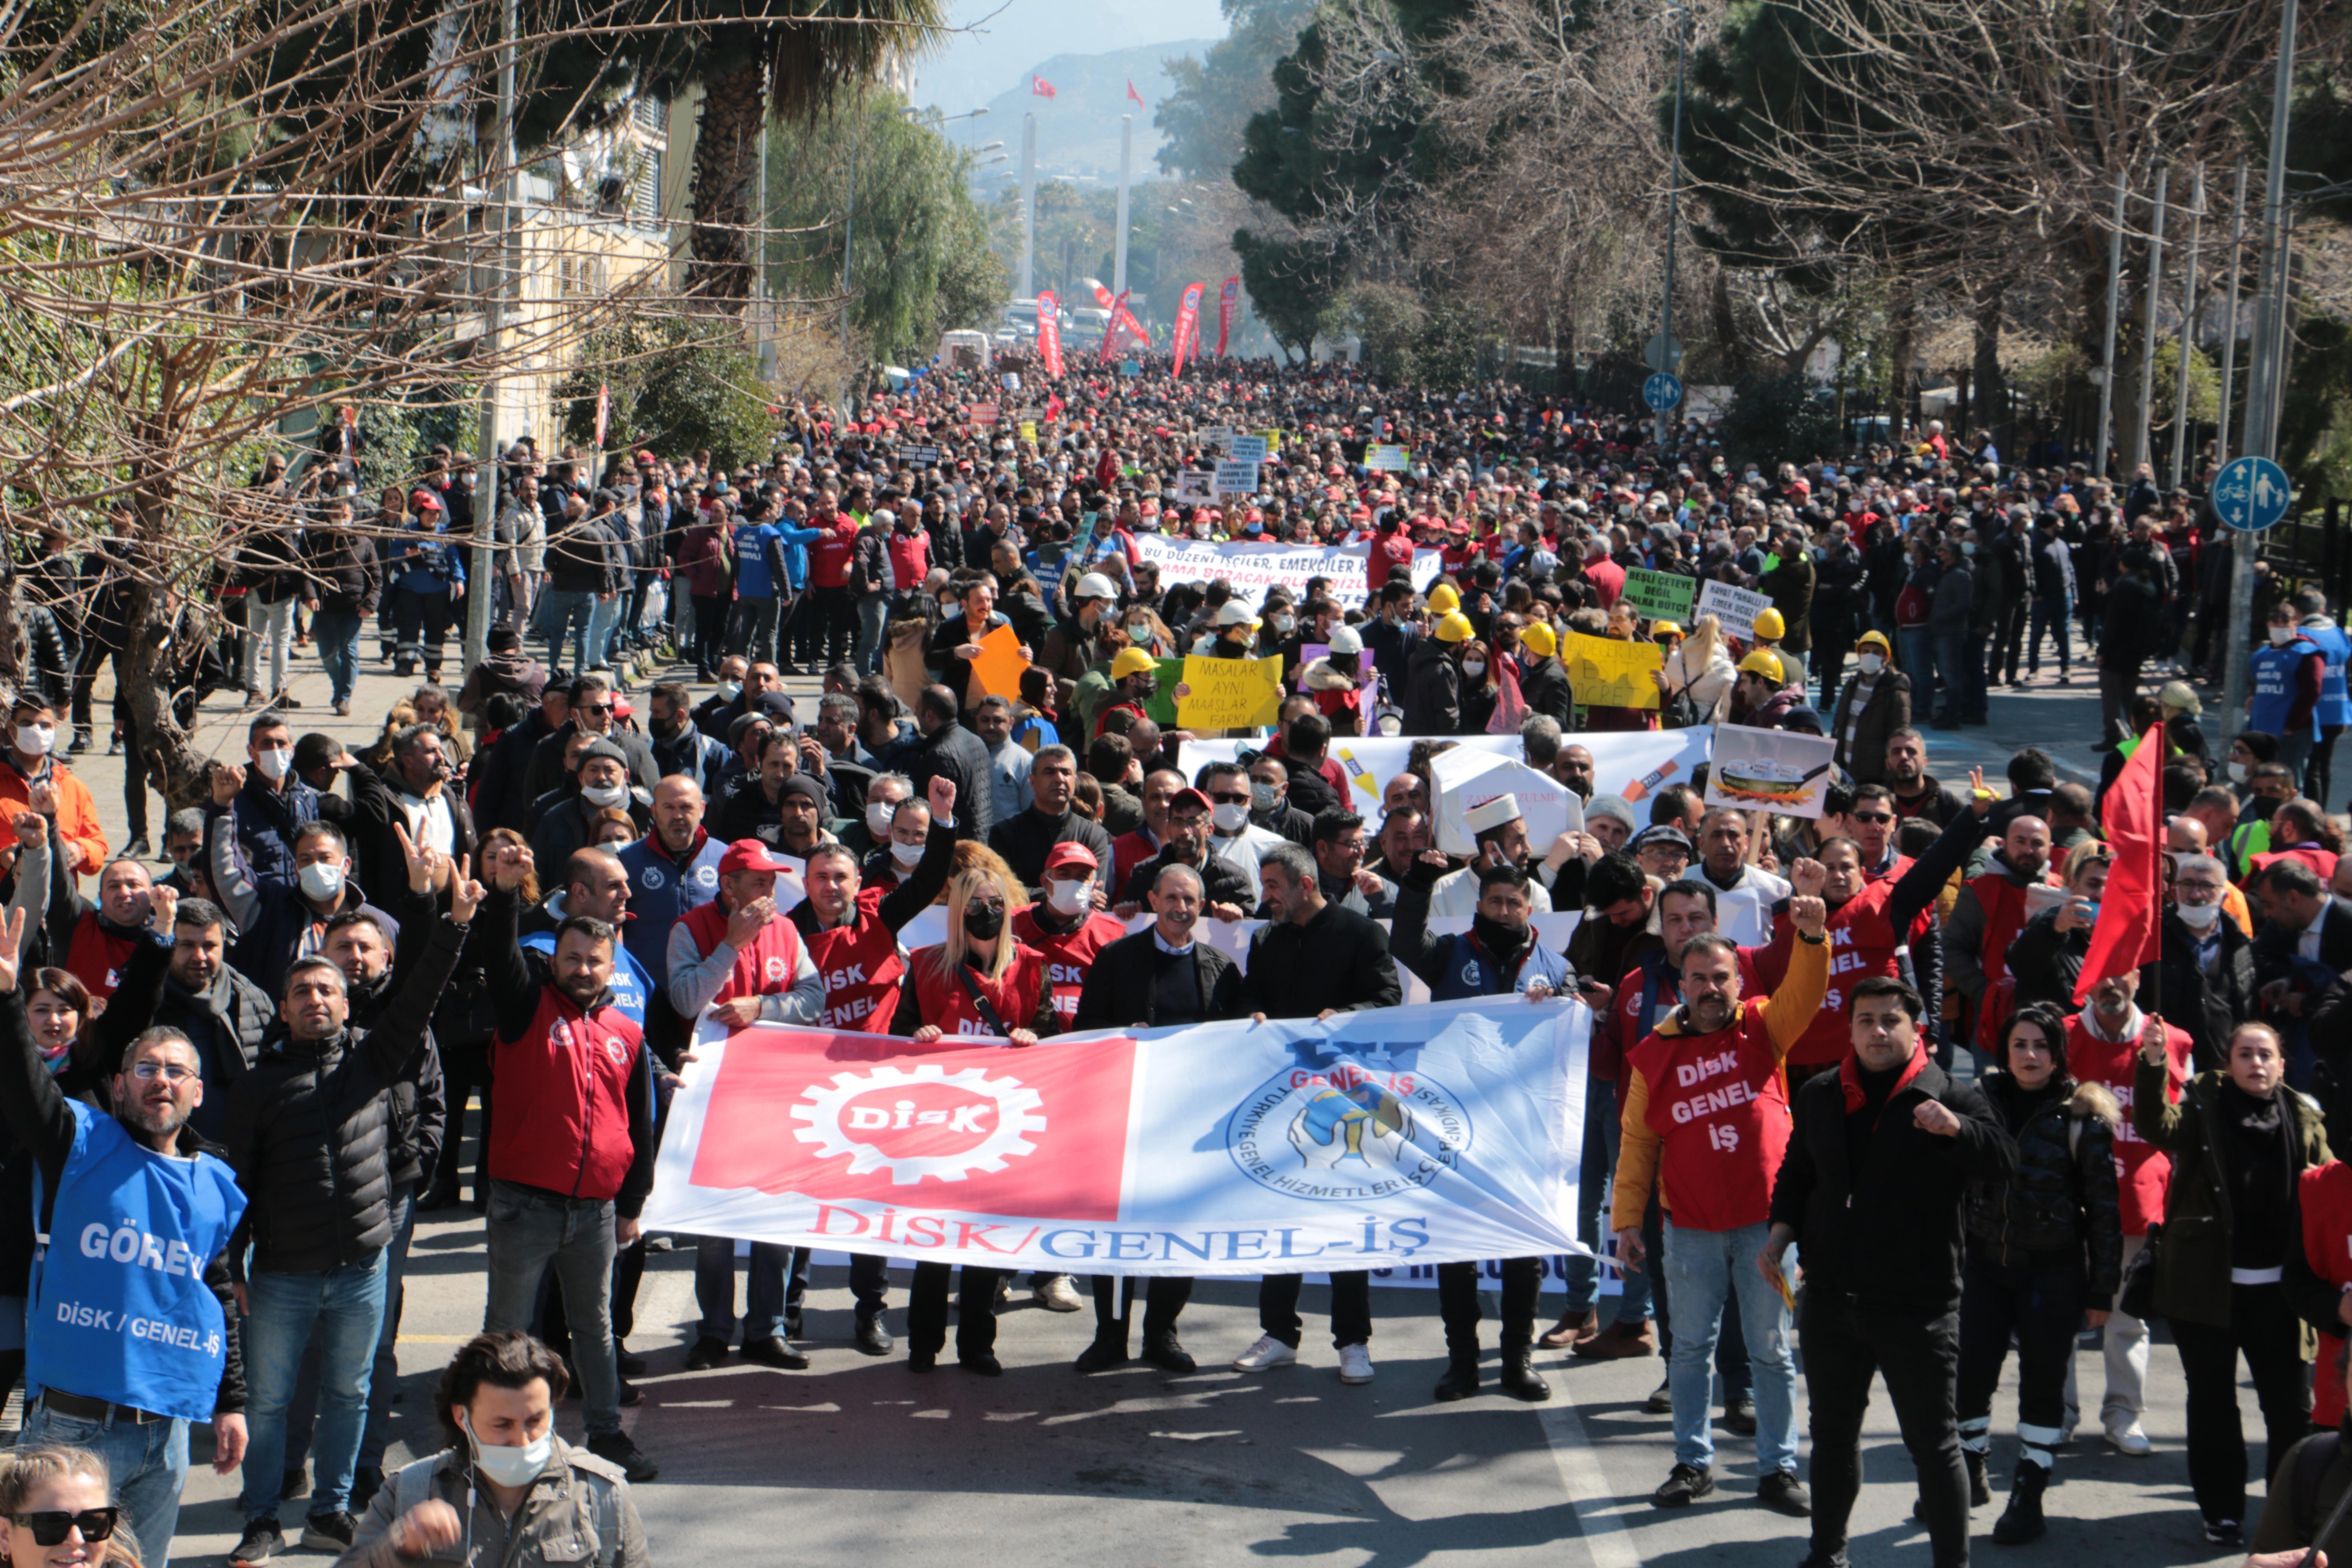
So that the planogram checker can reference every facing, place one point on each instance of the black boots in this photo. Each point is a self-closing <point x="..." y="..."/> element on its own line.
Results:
<point x="1979" y="1483"/>
<point x="1520" y="1379"/>
<point x="1461" y="1379"/>
<point x="2022" y="1522"/>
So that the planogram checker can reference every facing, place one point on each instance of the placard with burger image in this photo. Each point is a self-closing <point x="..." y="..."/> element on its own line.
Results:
<point x="1769" y="770"/>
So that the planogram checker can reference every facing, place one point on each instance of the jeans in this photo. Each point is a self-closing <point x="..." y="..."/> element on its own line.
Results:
<point x="872" y="610"/>
<point x="603" y="616"/>
<point x="1596" y="1173"/>
<point x="273" y="627"/>
<point x="869" y="1283"/>
<point x="1351" y="1308"/>
<point x="835" y="623"/>
<point x="2318" y="773"/>
<point x="1731" y="1365"/>
<point x="2116" y="689"/>
<point x="423" y="622"/>
<point x="1706" y="1270"/>
<point x="764" y="1293"/>
<point x="2008" y="635"/>
<point x="337" y="633"/>
<point x="1846" y="1345"/>
<point x="146" y="1468"/>
<point x="2294" y="755"/>
<point x="2048" y="616"/>
<point x="2041" y="1303"/>
<point x="1951" y="678"/>
<point x="344" y="1306"/>
<point x="384" y="1381"/>
<point x="1918" y="647"/>
<point x="1457" y="1305"/>
<point x="529" y="1230"/>
<point x="566" y="607"/>
<point x="2266" y="1329"/>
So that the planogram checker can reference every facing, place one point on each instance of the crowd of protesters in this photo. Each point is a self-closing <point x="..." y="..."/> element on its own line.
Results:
<point x="234" y="1087"/>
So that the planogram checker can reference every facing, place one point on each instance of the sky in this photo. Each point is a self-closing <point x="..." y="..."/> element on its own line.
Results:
<point x="1002" y="38"/>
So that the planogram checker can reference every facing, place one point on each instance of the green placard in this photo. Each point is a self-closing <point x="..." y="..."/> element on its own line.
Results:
<point x="1162" y="706"/>
<point x="1659" y="595"/>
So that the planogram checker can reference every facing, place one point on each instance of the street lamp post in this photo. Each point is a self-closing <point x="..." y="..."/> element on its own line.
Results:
<point x="1666" y="360"/>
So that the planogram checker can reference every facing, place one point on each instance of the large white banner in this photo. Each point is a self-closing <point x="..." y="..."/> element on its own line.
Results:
<point x="1252" y="569"/>
<point x="1389" y="1139"/>
<point x="1632" y="763"/>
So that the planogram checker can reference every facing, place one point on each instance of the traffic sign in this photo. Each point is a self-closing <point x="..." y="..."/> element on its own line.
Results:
<point x="2250" y="493"/>
<point x="1662" y="352"/>
<point x="1662" y="391"/>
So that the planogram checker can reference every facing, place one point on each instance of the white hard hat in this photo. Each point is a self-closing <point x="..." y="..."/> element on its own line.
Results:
<point x="1094" y="586"/>
<point x="1345" y="640"/>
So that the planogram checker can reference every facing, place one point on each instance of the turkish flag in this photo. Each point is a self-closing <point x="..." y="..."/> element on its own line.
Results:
<point x="2127" y="933"/>
<point x="1041" y="87"/>
<point x="984" y="1130"/>
<point x="1133" y="94"/>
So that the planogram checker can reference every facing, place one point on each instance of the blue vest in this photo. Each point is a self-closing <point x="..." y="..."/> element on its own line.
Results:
<point x="2275" y="684"/>
<point x="1471" y="971"/>
<point x="754" y="579"/>
<point x="631" y="984"/>
<point x="659" y="893"/>
<point x="2334" y="699"/>
<point x="119" y="1308"/>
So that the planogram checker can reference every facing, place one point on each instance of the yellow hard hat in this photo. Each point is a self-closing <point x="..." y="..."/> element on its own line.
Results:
<point x="1663" y="629"/>
<point x="1770" y="628"/>
<point x="1454" y="627"/>
<point x="1537" y="637"/>
<point x="1132" y="661"/>
<point x="1443" y="598"/>
<point x="1763" y="662"/>
<point x="1877" y="640"/>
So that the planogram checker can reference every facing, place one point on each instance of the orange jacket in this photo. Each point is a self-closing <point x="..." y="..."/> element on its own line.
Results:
<point x="77" y="811"/>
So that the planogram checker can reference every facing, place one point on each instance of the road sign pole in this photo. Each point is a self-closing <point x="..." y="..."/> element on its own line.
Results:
<point x="2249" y="494"/>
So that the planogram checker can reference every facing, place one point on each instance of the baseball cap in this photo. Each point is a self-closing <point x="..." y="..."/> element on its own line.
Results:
<point x="1069" y="856"/>
<point x="749" y="854"/>
<point x="1190" y="797"/>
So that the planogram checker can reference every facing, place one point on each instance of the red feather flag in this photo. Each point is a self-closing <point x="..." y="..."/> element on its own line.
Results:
<point x="2127" y="935"/>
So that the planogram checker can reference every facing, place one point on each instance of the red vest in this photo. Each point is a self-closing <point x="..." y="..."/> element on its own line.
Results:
<point x="2325" y="1193"/>
<point x="859" y="962"/>
<point x="944" y="1002"/>
<point x="764" y="969"/>
<point x="2142" y="1170"/>
<point x="97" y="956"/>
<point x="567" y="1081"/>
<point x="1067" y="954"/>
<point x="1720" y="1103"/>
<point x="1861" y="943"/>
<point x="2003" y="902"/>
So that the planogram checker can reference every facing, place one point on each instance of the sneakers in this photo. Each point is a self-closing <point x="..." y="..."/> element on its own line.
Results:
<point x="1618" y="1341"/>
<point x="1057" y="1294"/>
<point x="1520" y="1379"/>
<point x="1355" y="1363"/>
<point x="327" y="1532"/>
<point x="1782" y="1493"/>
<point x="2130" y="1439"/>
<point x="1684" y="1485"/>
<point x="1740" y="1415"/>
<point x="263" y="1541"/>
<point x="1168" y="1354"/>
<point x="1266" y="1355"/>
<point x="616" y="1447"/>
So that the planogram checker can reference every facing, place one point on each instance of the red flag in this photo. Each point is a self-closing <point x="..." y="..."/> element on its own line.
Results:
<point x="1049" y="332"/>
<point x="603" y="411"/>
<point x="2127" y="933"/>
<point x="1040" y="87"/>
<point x="1227" y="298"/>
<point x="1119" y="320"/>
<point x="1133" y="94"/>
<point x="1188" y="323"/>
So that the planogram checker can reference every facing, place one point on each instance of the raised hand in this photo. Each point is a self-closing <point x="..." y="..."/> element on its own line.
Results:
<point x="163" y="910"/>
<point x="465" y="895"/>
<point x="31" y="829"/>
<point x="43" y="797"/>
<point x="424" y="860"/>
<point x="228" y="779"/>
<point x="1809" y="914"/>
<point x="941" y="795"/>
<point x="12" y="931"/>
<point x="509" y="864"/>
<point x="1808" y="877"/>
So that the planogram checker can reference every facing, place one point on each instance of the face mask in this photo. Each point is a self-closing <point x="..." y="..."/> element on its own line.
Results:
<point x="2199" y="917"/>
<point x="35" y="740"/>
<point x="905" y="853"/>
<point x="878" y="818"/>
<point x="1474" y="666"/>
<point x="1967" y="547"/>
<point x="322" y="879"/>
<point x="2280" y="637"/>
<point x="506" y="1466"/>
<point x="730" y="690"/>
<point x="2237" y="773"/>
<point x="1230" y="816"/>
<point x="984" y="920"/>
<point x="274" y="762"/>
<point x="1140" y="631"/>
<point x="1871" y="663"/>
<point x="1262" y="796"/>
<point x="601" y="795"/>
<point x="1066" y="898"/>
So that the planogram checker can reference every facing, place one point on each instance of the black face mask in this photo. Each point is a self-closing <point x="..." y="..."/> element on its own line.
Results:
<point x="1497" y="938"/>
<point x="984" y="920"/>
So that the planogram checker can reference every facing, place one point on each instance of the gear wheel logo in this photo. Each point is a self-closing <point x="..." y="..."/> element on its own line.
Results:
<point x="919" y="1123"/>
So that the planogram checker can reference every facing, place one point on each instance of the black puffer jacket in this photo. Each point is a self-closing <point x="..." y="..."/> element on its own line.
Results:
<point x="1432" y="689"/>
<point x="310" y="1132"/>
<point x="2062" y="1197"/>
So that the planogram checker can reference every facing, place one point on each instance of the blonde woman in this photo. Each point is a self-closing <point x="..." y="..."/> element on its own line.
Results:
<point x="54" y="1512"/>
<point x="980" y="983"/>
<point x="1703" y="667"/>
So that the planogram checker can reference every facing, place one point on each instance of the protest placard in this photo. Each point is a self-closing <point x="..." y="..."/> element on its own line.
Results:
<point x="1659" y="595"/>
<point x="1029" y="431"/>
<point x="1196" y="489"/>
<point x="1160" y="706"/>
<point x="1237" y="478"/>
<point x="1466" y="778"/>
<point x="1769" y="770"/>
<point x="1231" y="693"/>
<point x="926" y="456"/>
<point x="1247" y="450"/>
<point x="1000" y="665"/>
<point x="1386" y="460"/>
<point x="1250" y="569"/>
<point x="1217" y="438"/>
<point x="1605" y="673"/>
<point x="983" y="413"/>
<point x="1735" y="609"/>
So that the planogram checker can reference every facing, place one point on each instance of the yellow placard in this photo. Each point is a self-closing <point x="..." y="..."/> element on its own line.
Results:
<point x="1605" y="673"/>
<point x="1231" y="693"/>
<point x="1029" y="431"/>
<point x="1000" y="666"/>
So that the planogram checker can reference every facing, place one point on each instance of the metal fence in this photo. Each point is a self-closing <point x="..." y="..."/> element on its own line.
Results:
<point x="2309" y="546"/>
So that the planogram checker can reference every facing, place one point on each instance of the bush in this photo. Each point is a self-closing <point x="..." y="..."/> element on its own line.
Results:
<point x="676" y="386"/>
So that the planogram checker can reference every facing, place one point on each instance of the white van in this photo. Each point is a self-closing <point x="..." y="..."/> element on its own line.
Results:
<point x="964" y="350"/>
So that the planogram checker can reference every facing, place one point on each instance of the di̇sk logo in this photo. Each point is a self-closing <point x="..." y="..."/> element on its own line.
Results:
<point x="1347" y="1131"/>
<point x="919" y="1123"/>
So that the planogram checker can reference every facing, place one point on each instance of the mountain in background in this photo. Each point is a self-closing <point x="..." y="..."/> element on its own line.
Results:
<point x="993" y="43"/>
<point x="1077" y="127"/>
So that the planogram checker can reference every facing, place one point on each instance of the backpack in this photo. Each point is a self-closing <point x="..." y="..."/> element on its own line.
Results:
<point x="413" y="1485"/>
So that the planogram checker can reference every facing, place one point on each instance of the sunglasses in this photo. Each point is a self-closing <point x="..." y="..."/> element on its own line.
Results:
<point x="1874" y="816"/>
<point x="49" y="1527"/>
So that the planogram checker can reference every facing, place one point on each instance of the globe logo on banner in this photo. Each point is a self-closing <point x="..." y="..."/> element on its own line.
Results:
<point x="1348" y="1132"/>
<point x="927" y="1123"/>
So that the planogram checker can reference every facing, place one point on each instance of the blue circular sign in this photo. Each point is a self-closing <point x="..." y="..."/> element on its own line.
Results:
<point x="1662" y="391"/>
<point x="2250" y="493"/>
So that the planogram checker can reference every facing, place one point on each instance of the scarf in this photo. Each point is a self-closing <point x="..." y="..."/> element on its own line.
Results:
<point x="1850" y="1078"/>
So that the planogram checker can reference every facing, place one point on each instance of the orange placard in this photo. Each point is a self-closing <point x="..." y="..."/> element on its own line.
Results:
<point x="999" y="668"/>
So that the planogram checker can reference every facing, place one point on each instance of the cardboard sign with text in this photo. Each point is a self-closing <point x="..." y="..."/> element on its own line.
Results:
<point x="1466" y="778"/>
<point x="1735" y="609"/>
<point x="1605" y="673"/>
<point x="1231" y="693"/>
<point x="1659" y="595"/>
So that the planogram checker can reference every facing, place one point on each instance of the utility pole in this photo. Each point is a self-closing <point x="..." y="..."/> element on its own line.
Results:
<point x="2147" y="318"/>
<point x="1118" y="255"/>
<point x="2266" y="377"/>
<point x="849" y="232"/>
<point x="488" y="501"/>
<point x="1666" y="360"/>
<point x="1028" y="206"/>
<point x="760" y="340"/>
<point x="2107" y="355"/>
<point x="2188" y="331"/>
<point x="2230" y="327"/>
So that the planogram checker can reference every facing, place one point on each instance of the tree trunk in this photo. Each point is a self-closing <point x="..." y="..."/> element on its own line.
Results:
<point x="1990" y="405"/>
<point x="1563" y="350"/>
<point x="1902" y="350"/>
<point x="726" y="162"/>
<point x="1731" y="346"/>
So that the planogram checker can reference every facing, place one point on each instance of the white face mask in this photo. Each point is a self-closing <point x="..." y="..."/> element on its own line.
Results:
<point x="2237" y="773"/>
<point x="321" y="880"/>
<point x="2282" y="636"/>
<point x="601" y="795"/>
<point x="878" y="818"/>
<point x="905" y="853"/>
<point x="275" y="761"/>
<point x="2198" y="917"/>
<point x="511" y="1467"/>
<point x="1230" y="816"/>
<point x="36" y="740"/>
<point x="1069" y="898"/>
<point x="1871" y="663"/>
<point x="730" y="690"/>
<point x="1474" y="666"/>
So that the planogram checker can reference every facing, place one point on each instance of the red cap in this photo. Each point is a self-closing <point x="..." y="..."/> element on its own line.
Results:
<point x="1191" y="797"/>
<point x="1069" y="856"/>
<point x="424" y="500"/>
<point x="749" y="854"/>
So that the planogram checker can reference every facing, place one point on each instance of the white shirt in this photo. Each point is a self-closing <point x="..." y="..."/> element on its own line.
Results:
<point x="2308" y="944"/>
<point x="429" y="821"/>
<point x="1456" y="894"/>
<point x="1743" y="912"/>
<point x="1244" y="852"/>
